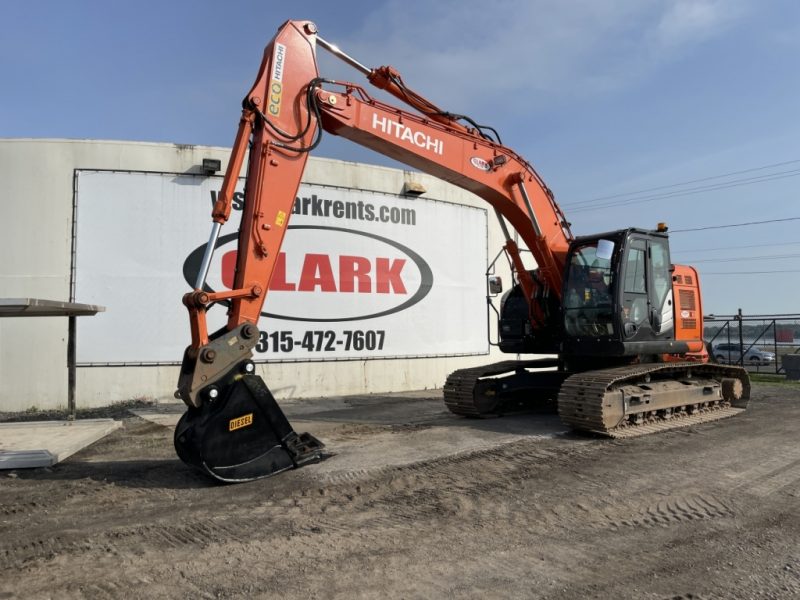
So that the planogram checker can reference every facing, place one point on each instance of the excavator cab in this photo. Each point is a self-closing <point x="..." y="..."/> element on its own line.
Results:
<point x="618" y="299"/>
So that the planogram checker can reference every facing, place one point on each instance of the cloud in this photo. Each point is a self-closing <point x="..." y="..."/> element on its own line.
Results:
<point x="513" y="55"/>
<point x="693" y="21"/>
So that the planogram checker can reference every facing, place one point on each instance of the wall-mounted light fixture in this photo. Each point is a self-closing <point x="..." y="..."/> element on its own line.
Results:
<point x="412" y="188"/>
<point x="211" y="165"/>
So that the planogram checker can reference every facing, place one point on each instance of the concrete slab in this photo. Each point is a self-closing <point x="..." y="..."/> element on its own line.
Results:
<point x="371" y="432"/>
<point x="45" y="443"/>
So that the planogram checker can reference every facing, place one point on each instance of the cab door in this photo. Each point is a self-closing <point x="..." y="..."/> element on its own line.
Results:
<point x="662" y="310"/>
<point x="646" y="306"/>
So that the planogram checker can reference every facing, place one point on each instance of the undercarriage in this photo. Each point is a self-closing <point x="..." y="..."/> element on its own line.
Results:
<point x="618" y="402"/>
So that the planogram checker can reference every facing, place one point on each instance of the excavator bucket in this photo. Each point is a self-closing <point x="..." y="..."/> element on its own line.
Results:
<point x="243" y="435"/>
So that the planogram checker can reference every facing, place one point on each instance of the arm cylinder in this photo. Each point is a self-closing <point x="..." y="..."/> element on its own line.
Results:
<point x="333" y="49"/>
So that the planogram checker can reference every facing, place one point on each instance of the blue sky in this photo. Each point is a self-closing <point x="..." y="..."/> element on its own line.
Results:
<point x="603" y="97"/>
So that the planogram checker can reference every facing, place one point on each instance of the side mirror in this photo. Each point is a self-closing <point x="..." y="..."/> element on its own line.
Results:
<point x="655" y="320"/>
<point x="495" y="284"/>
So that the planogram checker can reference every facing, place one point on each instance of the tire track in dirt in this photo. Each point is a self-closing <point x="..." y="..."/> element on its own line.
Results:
<point x="774" y="481"/>
<point x="123" y="584"/>
<point x="677" y="510"/>
<point x="35" y="501"/>
<point x="14" y="555"/>
<point x="466" y="486"/>
<point x="510" y="452"/>
<point x="397" y="498"/>
<point x="475" y="499"/>
<point x="769" y="463"/>
<point x="18" y="509"/>
<point x="473" y="490"/>
<point x="104" y="590"/>
<point x="127" y="540"/>
<point x="192" y="534"/>
<point x="468" y="489"/>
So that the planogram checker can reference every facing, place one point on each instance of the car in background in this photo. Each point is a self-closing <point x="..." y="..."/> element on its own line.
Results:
<point x="731" y="353"/>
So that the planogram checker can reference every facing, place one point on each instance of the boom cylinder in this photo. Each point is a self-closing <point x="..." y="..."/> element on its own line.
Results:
<point x="534" y="221"/>
<point x="503" y="225"/>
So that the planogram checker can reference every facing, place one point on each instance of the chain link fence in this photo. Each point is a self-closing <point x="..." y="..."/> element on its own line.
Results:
<point x="760" y="343"/>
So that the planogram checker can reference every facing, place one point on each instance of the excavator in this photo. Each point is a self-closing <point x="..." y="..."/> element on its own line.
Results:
<point x="624" y="322"/>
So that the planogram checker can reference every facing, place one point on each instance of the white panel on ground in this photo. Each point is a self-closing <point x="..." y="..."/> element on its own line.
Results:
<point x="44" y="443"/>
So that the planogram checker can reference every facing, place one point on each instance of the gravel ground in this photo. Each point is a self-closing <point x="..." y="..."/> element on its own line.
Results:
<point x="700" y="513"/>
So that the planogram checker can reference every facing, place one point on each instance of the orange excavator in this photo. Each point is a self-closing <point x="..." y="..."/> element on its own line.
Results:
<point x="625" y="323"/>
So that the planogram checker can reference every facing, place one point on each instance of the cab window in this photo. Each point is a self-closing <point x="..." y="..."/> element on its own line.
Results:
<point x="588" y="304"/>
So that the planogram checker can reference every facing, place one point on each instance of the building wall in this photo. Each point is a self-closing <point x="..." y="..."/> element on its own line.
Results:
<point x="37" y="178"/>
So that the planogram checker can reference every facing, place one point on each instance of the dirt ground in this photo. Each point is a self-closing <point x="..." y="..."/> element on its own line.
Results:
<point x="701" y="513"/>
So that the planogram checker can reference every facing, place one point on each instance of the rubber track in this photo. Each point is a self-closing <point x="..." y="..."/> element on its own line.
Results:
<point x="459" y="389"/>
<point x="581" y="399"/>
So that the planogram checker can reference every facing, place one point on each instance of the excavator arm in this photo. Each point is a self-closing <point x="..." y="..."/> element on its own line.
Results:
<point x="276" y="130"/>
<point x="283" y="116"/>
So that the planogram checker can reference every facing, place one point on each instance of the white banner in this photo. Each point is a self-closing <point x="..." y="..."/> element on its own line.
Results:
<point x="361" y="274"/>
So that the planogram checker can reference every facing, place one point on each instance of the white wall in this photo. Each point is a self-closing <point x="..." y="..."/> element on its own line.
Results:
<point x="37" y="181"/>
